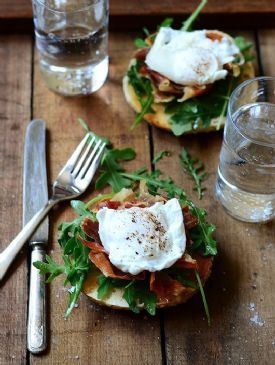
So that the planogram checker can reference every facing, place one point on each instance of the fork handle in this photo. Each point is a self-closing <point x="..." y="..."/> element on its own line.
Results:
<point x="8" y="255"/>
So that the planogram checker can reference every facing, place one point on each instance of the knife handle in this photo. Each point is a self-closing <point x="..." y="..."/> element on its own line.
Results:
<point x="36" y="337"/>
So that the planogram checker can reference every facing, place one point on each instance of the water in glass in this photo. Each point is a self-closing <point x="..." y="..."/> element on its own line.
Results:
<point x="246" y="174"/>
<point x="73" y="47"/>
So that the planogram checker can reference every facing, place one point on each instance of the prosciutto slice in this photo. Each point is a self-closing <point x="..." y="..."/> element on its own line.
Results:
<point x="90" y="228"/>
<point x="186" y="262"/>
<point x="102" y="262"/>
<point x="166" y="288"/>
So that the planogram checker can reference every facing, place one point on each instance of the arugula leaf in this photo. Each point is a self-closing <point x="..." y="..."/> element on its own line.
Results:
<point x="49" y="267"/>
<point x="167" y="22"/>
<point x="135" y="292"/>
<point x="111" y="170"/>
<point x="200" y="111"/>
<point x="156" y="185"/>
<point x="194" y="168"/>
<point x="104" y="287"/>
<point x="85" y="126"/>
<point x="242" y="43"/>
<point x="206" y="309"/>
<point x="140" y="43"/>
<point x="160" y="155"/>
<point x="143" y="90"/>
<point x="81" y="209"/>
<point x="183" y="276"/>
<point x="74" y="293"/>
<point x="202" y="234"/>
<point x="187" y="115"/>
<point x="138" y="292"/>
<point x="146" y="31"/>
<point x="107" y="284"/>
<point x="76" y="262"/>
<point x="244" y="47"/>
<point x="188" y="23"/>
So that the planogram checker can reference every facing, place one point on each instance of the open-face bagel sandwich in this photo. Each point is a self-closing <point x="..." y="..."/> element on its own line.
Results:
<point x="143" y="243"/>
<point x="181" y="80"/>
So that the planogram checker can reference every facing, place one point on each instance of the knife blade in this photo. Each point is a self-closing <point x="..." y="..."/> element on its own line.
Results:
<point x="35" y="196"/>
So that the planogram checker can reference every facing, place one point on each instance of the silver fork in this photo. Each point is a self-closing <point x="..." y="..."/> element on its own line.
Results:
<point x="72" y="181"/>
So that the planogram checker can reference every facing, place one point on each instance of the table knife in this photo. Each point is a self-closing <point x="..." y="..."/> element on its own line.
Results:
<point x="35" y="196"/>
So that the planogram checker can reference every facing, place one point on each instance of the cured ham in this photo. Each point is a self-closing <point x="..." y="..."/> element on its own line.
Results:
<point x="165" y="288"/>
<point x="190" y="221"/>
<point x="186" y="262"/>
<point x="94" y="246"/>
<point x="168" y="289"/>
<point x="90" y="228"/>
<point x="102" y="262"/>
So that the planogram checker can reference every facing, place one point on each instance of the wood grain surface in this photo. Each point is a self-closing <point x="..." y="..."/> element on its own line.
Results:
<point x="137" y="13"/>
<point x="22" y="8"/>
<point x="15" y="111"/>
<point x="240" y="292"/>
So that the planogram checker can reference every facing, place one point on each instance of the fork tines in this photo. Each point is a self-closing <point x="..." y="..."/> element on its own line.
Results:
<point x="86" y="157"/>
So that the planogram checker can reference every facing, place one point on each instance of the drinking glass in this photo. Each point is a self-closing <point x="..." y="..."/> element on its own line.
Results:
<point x="245" y="183"/>
<point x="72" y="40"/>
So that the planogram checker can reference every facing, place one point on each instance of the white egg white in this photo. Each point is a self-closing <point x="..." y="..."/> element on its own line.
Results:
<point x="139" y="239"/>
<point x="190" y="58"/>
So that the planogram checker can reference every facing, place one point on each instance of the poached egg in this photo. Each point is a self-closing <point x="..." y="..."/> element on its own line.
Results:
<point x="190" y="58"/>
<point x="139" y="239"/>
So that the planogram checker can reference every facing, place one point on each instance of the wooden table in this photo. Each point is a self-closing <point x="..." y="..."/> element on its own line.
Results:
<point x="240" y="292"/>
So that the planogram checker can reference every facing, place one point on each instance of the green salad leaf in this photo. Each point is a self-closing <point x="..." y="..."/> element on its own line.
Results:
<point x="143" y="90"/>
<point x="200" y="111"/>
<point x="140" y="43"/>
<point x="195" y="169"/>
<point x="138" y="292"/>
<point x="242" y="43"/>
<point x="159" y="156"/>
<point x="188" y="23"/>
<point x="202" y="234"/>
<point x="167" y="22"/>
<point x="111" y="169"/>
<point x="135" y="293"/>
<point x="107" y="284"/>
<point x="50" y="267"/>
<point x="183" y="277"/>
<point x="206" y="309"/>
<point x="76" y="262"/>
<point x="245" y="48"/>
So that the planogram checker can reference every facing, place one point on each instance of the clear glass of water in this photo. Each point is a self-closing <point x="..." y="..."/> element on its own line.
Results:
<point x="72" y="40"/>
<point x="245" y="183"/>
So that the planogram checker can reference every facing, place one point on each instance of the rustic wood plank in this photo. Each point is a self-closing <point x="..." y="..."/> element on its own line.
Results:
<point x="15" y="96"/>
<point x="137" y="13"/>
<point x="22" y="8"/>
<point x="266" y="47"/>
<point x="93" y="334"/>
<point x="239" y="296"/>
